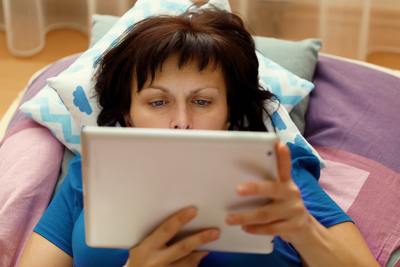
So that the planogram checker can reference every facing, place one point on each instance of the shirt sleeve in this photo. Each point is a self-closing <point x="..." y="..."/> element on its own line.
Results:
<point x="305" y="173"/>
<point x="57" y="223"/>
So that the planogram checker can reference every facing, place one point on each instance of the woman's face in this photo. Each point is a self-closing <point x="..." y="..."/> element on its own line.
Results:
<point x="181" y="99"/>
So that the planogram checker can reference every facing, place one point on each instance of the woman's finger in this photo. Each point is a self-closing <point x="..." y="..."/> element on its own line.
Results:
<point x="276" y="211"/>
<point x="269" y="189"/>
<point x="187" y="245"/>
<point x="192" y="259"/>
<point x="169" y="228"/>
<point x="286" y="229"/>
<point x="284" y="162"/>
<point x="275" y="228"/>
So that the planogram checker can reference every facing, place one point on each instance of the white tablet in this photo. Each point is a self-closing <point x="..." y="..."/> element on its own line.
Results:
<point x="135" y="178"/>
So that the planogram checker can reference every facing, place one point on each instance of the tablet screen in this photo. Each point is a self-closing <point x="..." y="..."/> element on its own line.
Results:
<point x="133" y="179"/>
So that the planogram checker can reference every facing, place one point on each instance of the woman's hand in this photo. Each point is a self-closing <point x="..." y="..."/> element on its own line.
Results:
<point x="286" y="216"/>
<point x="154" y="252"/>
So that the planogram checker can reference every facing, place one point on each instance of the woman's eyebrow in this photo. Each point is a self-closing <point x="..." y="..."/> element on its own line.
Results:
<point x="158" y="87"/>
<point x="202" y="88"/>
<point x="166" y="90"/>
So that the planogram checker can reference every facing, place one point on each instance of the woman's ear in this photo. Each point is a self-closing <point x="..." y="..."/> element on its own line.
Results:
<point x="128" y="120"/>
<point x="228" y="124"/>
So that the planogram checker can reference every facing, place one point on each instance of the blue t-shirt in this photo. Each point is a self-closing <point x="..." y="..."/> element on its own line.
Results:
<point x="63" y="222"/>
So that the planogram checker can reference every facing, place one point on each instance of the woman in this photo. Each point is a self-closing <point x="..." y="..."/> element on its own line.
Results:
<point x="199" y="71"/>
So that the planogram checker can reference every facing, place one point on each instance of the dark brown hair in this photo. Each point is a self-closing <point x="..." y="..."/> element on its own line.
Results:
<point x="201" y="36"/>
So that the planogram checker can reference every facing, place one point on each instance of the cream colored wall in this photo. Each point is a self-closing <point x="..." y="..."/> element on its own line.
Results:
<point x="16" y="71"/>
<point x="339" y="23"/>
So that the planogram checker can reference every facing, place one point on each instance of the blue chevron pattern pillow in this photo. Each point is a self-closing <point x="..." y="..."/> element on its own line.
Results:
<point x="289" y="88"/>
<point x="47" y="109"/>
<point x="76" y="91"/>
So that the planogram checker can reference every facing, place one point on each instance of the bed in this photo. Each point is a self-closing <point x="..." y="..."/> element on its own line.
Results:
<point x="350" y="118"/>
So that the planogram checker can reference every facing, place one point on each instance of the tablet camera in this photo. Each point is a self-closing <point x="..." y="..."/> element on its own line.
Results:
<point x="269" y="153"/>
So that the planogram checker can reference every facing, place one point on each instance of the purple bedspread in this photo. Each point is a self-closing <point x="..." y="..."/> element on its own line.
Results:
<point x="353" y="122"/>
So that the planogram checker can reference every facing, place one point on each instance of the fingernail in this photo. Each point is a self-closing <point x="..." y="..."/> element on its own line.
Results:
<point x="190" y="213"/>
<point x="214" y="235"/>
<point x="242" y="189"/>
<point x="230" y="219"/>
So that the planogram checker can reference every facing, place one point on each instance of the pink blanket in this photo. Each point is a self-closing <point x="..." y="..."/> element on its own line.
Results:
<point x="27" y="178"/>
<point x="30" y="159"/>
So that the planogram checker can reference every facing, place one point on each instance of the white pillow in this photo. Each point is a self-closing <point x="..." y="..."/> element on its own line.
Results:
<point x="76" y="90"/>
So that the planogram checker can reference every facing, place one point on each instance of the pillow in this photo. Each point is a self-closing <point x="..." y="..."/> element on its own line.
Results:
<point x="101" y="24"/>
<point x="299" y="58"/>
<point x="76" y="91"/>
<point x="395" y="257"/>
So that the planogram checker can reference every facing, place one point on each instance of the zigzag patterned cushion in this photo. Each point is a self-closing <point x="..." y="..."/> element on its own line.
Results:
<point x="289" y="88"/>
<point x="76" y="91"/>
<point x="47" y="109"/>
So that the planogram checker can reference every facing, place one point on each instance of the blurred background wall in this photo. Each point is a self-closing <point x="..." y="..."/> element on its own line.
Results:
<point x="357" y="29"/>
<point x="35" y="33"/>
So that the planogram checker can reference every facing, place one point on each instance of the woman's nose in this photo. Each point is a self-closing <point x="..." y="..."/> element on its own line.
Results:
<point x="181" y="119"/>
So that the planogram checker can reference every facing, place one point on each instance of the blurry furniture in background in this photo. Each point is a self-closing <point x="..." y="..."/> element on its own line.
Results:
<point x="348" y="28"/>
<point x="271" y="12"/>
<point x="364" y="8"/>
<point x="364" y="25"/>
<point x="26" y="22"/>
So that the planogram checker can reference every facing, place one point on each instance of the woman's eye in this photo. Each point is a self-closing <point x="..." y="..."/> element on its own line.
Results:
<point x="157" y="103"/>
<point x="202" y="102"/>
